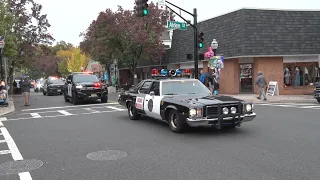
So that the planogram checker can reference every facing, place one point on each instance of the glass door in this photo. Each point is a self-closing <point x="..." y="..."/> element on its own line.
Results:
<point x="246" y="79"/>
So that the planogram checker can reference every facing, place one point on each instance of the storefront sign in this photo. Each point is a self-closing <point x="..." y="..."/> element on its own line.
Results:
<point x="216" y="62"/>
<point x="273" y="88"/>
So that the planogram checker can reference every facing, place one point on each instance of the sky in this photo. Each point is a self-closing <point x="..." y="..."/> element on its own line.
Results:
<point x="68" y="18"/>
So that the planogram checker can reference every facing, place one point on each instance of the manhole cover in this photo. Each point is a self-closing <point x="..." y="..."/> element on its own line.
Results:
<point x="106" y="155"/>
<point x="15" y="167"/>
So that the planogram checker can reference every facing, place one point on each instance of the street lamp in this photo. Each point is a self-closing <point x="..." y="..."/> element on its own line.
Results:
<point x="214" y="46"/>
<point x="81" y="68"/>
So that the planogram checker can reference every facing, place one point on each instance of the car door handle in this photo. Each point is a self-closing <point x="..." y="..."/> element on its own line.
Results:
<point x="147" y="100"/>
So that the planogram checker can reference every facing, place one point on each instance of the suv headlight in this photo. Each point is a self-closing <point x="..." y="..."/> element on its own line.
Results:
<point x="78" y="86"/>
<point x="196" y="112"/>
<point x="248" y="107"/>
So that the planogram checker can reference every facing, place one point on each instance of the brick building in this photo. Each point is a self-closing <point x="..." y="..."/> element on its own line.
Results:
<point x="284" y="45"/>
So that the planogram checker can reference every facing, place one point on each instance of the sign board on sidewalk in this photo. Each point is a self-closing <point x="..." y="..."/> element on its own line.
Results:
<point x="177" y="25"/>
<point x="162" y="4"/>
<point x="273" y="88"/>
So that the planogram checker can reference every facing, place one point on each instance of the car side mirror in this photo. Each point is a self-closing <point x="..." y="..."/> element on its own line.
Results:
<point x="152" y="93"/>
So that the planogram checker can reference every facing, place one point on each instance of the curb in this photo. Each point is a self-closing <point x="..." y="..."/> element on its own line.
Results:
<point x="10" y="107"/>
<point x="286" y="101"/>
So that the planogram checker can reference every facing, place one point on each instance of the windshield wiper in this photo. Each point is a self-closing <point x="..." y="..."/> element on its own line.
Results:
<point x="170" y="94"/>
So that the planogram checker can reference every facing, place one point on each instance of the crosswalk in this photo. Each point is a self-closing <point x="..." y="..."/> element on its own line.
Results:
<point x="61" y="111"/>
<point x="292" y="105"/>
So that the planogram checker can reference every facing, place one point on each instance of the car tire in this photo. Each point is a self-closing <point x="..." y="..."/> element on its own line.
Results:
<point x="132" y="112"/>
<point x="104" y="99"/>
<point x="36" y="90"/>
<point x="318" y="100"/>
<point x="44" y="93"/>
<point x="74" y="99"/>
<point x="176" y="124"/>
<point x="65" y="97"/>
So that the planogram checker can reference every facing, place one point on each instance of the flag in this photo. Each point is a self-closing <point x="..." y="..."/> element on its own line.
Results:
<point x="1" y="41"/>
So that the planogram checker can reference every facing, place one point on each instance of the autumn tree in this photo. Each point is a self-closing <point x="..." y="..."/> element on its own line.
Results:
<point x="124" y="37"/>
<point x="28" y="29"/>
<point x="45" y="61"/>
<point x="72" y="60"/>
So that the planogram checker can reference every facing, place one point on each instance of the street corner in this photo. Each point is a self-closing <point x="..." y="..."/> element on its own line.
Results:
<point x="7" y="109"/>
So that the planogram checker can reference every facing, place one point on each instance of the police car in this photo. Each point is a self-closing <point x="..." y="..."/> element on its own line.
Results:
<point x="82" y="86"/>
<point x="316" y="93"/>
<point x="183" y="103"/>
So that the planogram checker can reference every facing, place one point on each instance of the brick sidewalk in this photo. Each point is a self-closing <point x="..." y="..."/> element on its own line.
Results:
<point x="279" y="99"/>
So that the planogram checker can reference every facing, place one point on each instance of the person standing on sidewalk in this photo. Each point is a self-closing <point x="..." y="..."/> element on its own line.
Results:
<point x="261" y="82"/>
<point x="25" y="87"/>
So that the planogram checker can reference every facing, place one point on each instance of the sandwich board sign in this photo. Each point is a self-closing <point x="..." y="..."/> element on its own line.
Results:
<point x="273" y="88"/>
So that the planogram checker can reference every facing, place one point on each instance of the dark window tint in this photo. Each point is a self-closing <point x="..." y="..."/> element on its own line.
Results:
<point x="145" y="87"/>
<point x="155" y="88"/>
<point x="56" y="81"/>
<point x="79" y="78"/>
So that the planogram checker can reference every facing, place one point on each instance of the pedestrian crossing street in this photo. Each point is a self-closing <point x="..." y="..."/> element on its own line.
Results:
<point x="313" y="106"/>
<point x="65" y="111"/>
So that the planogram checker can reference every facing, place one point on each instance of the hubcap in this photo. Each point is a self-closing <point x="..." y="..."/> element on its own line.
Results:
<point x="131" y="110"/>
<point x="174" y="120"/>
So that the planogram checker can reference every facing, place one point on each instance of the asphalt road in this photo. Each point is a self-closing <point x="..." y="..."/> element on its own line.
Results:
<point x="98" y="142"/>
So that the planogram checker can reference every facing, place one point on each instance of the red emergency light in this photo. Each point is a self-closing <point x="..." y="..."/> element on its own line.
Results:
<point x="187" y="71"/>
<point x="155" y="72"/>
<point x="97" y="84"/>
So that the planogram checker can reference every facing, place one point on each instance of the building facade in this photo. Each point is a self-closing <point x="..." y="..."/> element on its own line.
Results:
<point x="284" y="45"/>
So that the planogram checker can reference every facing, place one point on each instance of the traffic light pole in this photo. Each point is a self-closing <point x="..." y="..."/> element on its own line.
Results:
<point x="195" y="29"/>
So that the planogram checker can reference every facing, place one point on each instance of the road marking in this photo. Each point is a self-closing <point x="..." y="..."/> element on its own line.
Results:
<point x="310" y="107"/>
<point x="15" y="153"/>
<point x="60" y="107"/>
<point x="1" y="124"/>
<point x="35" y="115"/>
<point x="65" y="113"/>
<point x="115" y="108"/>
<point x="0" y="134"/>
<point x="5" y="152"/>
<point x="91" y="110"/>
<point x="2" y="141"/>
<point x="3" y="119"/>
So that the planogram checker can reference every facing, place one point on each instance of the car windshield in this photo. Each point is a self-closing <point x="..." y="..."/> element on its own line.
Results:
<point x="184" y="87"/>
<point x="79" y="78"/>
<point x="56" y="81"/>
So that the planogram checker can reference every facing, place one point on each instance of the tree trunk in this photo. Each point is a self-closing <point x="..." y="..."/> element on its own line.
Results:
<point x="11" y="69"/>
<point x="109" y="74"/>
<point x="135" y="80"/>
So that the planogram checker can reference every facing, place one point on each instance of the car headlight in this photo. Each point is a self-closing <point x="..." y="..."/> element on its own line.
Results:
<point x="225" y="110"/>
<point x="249" y="107"/>
<point x="233" y="110"/>
<point x="78" y="86"/>
<point x="198" y="112"/>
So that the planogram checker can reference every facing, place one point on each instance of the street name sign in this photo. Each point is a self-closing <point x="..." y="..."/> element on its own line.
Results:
<point x="177" y="25"/>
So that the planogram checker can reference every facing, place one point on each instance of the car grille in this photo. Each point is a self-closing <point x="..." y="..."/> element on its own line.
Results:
<point x="213" y="110"/>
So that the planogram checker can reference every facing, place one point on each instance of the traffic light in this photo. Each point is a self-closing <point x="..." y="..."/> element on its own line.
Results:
<point x="200" y="40"/>
<point x="142" y="8"/>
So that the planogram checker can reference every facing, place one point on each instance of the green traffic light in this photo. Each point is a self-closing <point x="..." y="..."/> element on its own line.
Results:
<point x="200" y="45"/>
<point x="145" y="12"/>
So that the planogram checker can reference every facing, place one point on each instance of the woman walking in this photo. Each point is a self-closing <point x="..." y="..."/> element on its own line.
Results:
<point x="25" y="87"/>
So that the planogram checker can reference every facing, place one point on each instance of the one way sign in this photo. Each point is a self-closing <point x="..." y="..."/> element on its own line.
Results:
<point x="162" y="4"/>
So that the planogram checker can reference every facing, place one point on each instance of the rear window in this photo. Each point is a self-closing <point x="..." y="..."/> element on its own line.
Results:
<point x="79" y="78"/>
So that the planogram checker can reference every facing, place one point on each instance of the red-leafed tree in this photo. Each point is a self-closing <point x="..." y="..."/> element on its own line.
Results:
<point x="45" y="61"/>
<point x="124" y="37"/>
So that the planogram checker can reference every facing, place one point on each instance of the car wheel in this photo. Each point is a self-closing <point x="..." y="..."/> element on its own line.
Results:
<point x="65" y="97"/>
<point x="36" y="90"/>
<point x="132" y="111"/>
<point x="74" y="99"/>
<point x="318" y="100"/>
<point x="104" y="99"/>
<point x="176" y="124"/>
<point x="44" y="93"/>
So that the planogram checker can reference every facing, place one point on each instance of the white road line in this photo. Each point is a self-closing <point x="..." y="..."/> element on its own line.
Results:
<point x="5" y="152"/>
<point x="65" y="113"/>
<point x="91" y="110"/>
<point x="115" y="108"/>
<point x="15" y="153"/>
<point x="35" y="115"/>
<point x="310" y="107"/>
<point x="60" y="107"/>
<point x="0" y="134"/>
<point x="11" y="144"/>
<point x="3" y="119"/>
<point x="1" y="124"/>
<point x="100" y="112"/>
<point x="2" y="141"/>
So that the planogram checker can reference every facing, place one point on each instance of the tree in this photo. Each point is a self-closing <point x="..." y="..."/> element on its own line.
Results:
<point x="44" y="61"/>
<point x="72" y="60"/>
<point x="124" y="37"/>
<point x="62" y="45"/>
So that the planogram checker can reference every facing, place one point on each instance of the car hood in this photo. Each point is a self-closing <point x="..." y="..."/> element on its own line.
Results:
<point x="196" y="100"/>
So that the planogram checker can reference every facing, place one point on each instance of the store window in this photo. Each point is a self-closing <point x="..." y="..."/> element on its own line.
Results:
<point x="301" y="74"/>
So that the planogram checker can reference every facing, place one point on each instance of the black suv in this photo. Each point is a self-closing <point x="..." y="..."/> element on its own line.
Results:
<point x="82" y="86"/>
<point x="52" y="86"/>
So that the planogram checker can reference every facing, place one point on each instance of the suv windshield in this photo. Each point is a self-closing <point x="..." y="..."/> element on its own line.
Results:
<point x="56" y="81"/>
<point x="79" y="78"/>
<point x="184" y="87"/>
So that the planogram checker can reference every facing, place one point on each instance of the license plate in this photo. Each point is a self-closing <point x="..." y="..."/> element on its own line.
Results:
<point x="94" y="95"/>
<point x="59" y="90"/>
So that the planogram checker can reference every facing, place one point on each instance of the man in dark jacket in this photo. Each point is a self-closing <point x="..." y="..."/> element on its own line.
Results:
<point x="261" y="82"/>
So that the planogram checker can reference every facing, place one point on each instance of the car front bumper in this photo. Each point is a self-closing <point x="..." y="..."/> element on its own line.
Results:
<point x="219" y="122"/>
<point x="316" y="95"/>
